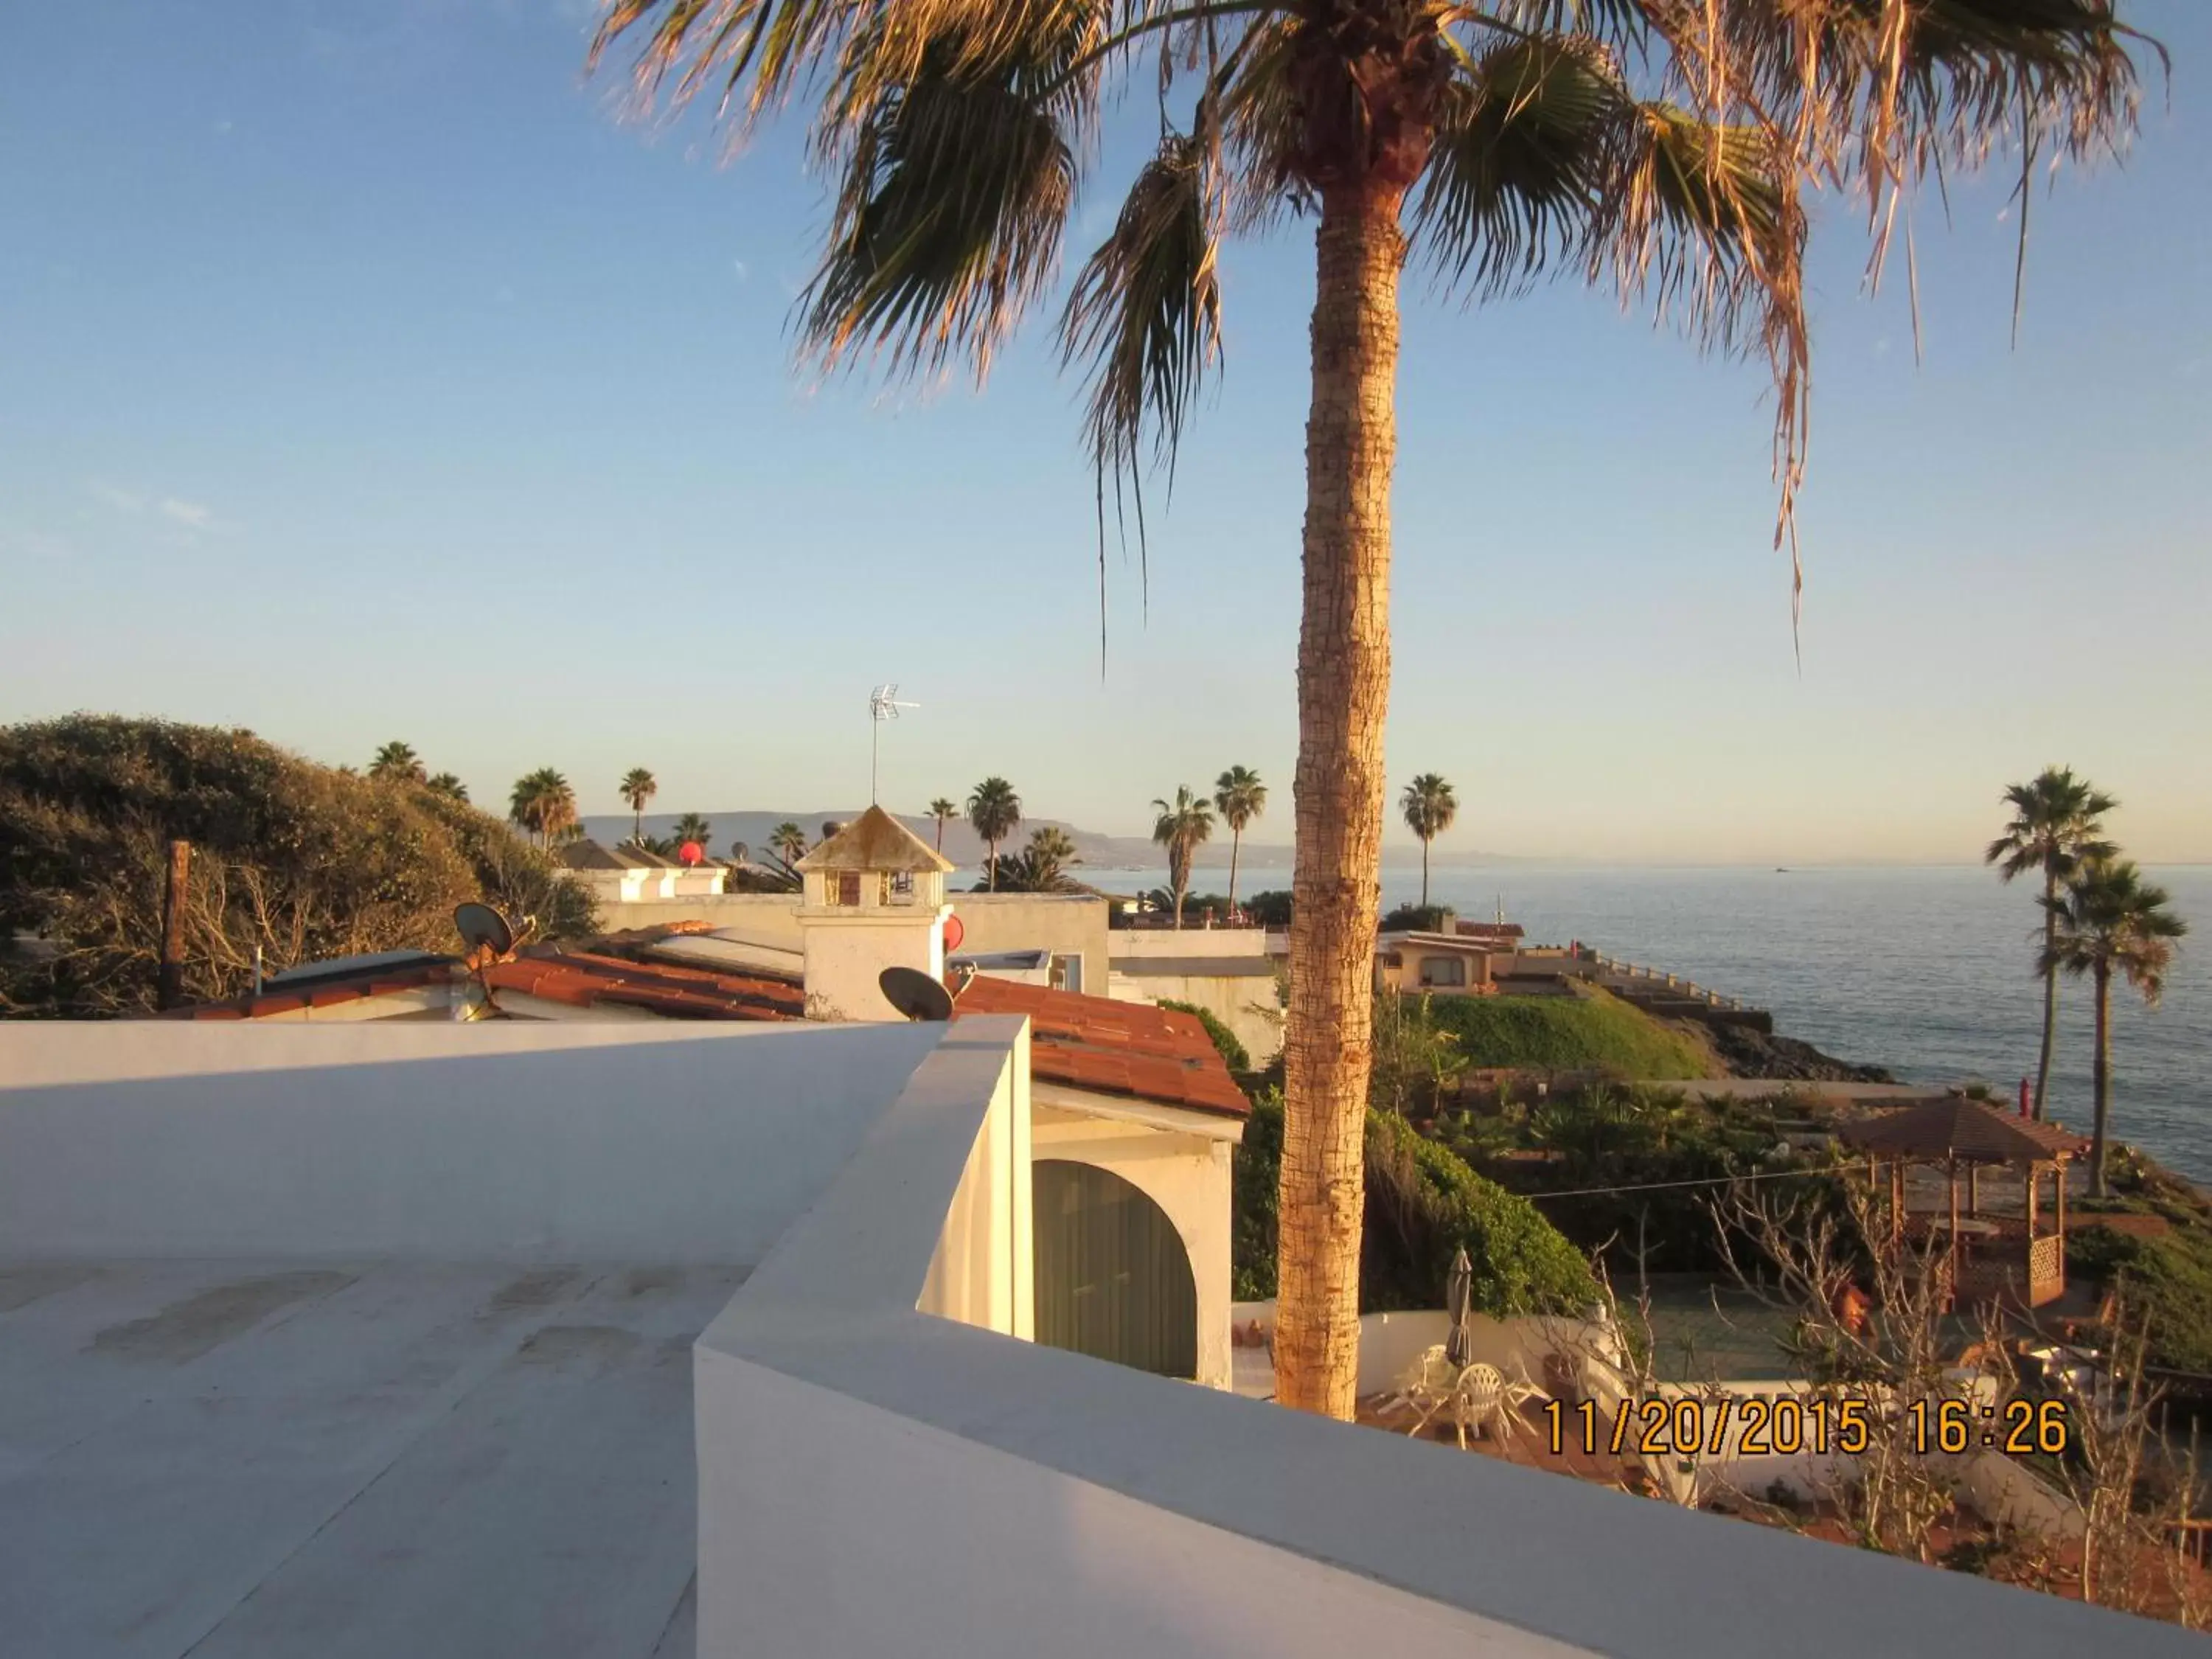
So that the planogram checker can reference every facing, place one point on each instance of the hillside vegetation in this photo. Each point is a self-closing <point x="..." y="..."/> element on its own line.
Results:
<point x="304" y="861"/>
<point x="1593" y="1031"/>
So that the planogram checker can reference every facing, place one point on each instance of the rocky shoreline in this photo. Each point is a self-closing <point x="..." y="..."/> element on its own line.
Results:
<point x="1752" y="1053"/>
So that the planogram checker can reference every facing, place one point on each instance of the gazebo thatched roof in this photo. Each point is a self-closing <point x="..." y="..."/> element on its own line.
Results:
<point x="1971" y="1131"/>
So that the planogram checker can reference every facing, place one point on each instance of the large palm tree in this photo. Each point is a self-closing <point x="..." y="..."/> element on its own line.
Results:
<point x="1240" y="797"/>
<point x="2109" y="920"/>
<point x="2057" y="828"/>
<point x="1659" y="148"/>
<point x="398" y="763"/>
<point x="543" y="803"/>
<point x="638" y="787"/>
<point x="787" y="841"/>
<point x="1429" y="806"/>
<point x="1183" y="826"/>
<point x="944" y="811"/>
<point x="995" y="810"/>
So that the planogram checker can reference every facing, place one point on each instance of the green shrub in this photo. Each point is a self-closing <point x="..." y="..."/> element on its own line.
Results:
<point x="1423" y="1203"/>
<point x="1268" y="910"/>
<point x="1232" y="1051"/>
<point x="1595" y="1031"/>
<point x="2168" y="1281"/>
<point x="304" y="861"/>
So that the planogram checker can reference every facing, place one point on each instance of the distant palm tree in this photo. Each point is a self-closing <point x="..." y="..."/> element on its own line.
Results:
<point x="2109" y="919"/>
<point x="944" y="811"/>
<point x="1429" y="806"/>
<point x="996" y="811"/>
<point x="638" y="787"/>
<point x="1050" y="852"/>
<point x="692" y="827"/>
<point x="446" y="784"/>
<point x="2057" y="828"/>
<point x="787" y="841"/>
<point x="1240" y="797"/>
<point x="397" y="763"/>
<point x="1182" y="826"/>
<point x="544" y="804"/>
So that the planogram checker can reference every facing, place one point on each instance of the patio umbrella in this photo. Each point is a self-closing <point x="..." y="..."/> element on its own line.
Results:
<point x="1459" y="1303"/>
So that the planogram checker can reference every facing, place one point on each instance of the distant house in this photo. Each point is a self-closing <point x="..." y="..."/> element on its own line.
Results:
<point x="628" y="874"/>
<point x="1447" y="964"/>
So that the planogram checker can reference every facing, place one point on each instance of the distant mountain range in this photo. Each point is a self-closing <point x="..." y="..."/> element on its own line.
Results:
<point x="1100" y="854"/>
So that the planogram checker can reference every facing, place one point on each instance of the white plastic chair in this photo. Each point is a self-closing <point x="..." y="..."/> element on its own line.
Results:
<point x="1424" y="1386"/>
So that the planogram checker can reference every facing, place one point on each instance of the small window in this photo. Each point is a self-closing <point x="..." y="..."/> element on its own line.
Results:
<point x="841" y="887"/>
<point x="899" y="887"/>
<point x="1443" y="970"/>
<point x="1068" y="973"/>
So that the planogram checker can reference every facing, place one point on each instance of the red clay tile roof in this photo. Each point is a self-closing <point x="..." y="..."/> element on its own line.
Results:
<point x="1957" y="1126"/>
<point x="1113" y="1048"/>
<point x="323" y="994"/>
<point x="582" y="979"/>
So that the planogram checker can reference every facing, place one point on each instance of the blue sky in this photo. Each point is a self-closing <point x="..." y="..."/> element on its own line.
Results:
<point x="361" y="376"/>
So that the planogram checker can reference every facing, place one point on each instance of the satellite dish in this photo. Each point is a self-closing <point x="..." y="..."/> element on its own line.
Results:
<point x="915" y="995"/>
<point x="482" y="928"/>
<point x="691" y="852"/>
<point x="954" y="933"/>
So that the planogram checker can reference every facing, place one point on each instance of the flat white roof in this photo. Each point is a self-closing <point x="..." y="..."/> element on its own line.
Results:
<point x="245" y="1459"/>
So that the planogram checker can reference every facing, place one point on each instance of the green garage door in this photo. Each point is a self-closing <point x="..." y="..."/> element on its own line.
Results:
<point x="1113" y="1279"/>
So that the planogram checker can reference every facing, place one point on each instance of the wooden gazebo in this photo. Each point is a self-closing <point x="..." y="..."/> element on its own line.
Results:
<point x="2019" y="1257"/>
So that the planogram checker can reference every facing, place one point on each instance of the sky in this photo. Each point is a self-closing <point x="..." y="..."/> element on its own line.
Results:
<point x="363" y="376"/>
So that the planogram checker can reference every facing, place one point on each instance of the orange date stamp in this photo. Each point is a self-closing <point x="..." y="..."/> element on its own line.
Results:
<point x="1753" y="1425"/>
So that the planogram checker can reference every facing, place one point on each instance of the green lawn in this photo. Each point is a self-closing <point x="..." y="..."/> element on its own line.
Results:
<point x="1567" y="1034"/>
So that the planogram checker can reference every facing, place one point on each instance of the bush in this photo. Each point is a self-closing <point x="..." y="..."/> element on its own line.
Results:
<point x="2169" y="1282"/>
<point x="1233" y="1053"/>
<point x="1595" y="1031"/>
<point x="302" y="860"/>
<point x="1423" y="1203"/>
<point x="1268" y="910"/>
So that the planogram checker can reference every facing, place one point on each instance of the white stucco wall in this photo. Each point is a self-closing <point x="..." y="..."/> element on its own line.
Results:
<point x="663" y="1141"/>
<point x="1249" y="1005"/>
<point x="846" y="950"/>
<point x="1189" y="1176"/>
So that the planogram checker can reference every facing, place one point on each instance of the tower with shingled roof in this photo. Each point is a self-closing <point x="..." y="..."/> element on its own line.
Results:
<point x="873" y="897"/>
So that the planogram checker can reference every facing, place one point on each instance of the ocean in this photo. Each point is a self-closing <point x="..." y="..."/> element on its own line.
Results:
<point x="1927" y="971"/>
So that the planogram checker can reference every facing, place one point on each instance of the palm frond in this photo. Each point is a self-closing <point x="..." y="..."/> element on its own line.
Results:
<point x="1144" y="312"/>
<point x="947" y="225"/>
<point x="1521" y="150"/>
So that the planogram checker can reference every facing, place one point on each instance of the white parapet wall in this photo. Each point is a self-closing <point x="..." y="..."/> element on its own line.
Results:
<point x="673" y="1142"/>
<point x="886" y="1469"/>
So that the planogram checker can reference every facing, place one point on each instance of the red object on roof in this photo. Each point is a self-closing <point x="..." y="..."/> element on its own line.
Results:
<point x="1112" y="1048"/>
<point x="691" y="852"/>
<point x="954" y="933"/>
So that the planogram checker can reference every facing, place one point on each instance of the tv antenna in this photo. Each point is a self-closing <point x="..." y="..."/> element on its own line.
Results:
<point x="915" y="995"/>
<point x="883" y="705"/>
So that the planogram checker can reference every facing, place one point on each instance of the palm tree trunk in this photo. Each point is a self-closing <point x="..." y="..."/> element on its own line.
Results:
<point x="994" y="868"/>
<point x="2104" y="1078"/>
<point x="1236" y="846"/>
<point x="1344" y="690"/>
<point x="940" y="836"/>
<point x="2050" y="987"/>
<point x="637" y="826"/>
<point x="1424" y="872"/>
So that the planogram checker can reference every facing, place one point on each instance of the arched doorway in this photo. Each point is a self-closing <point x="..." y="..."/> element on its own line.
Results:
<point x="1112" y="1278"/>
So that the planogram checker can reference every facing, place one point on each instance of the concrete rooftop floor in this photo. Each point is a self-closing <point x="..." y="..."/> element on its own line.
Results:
<point x="230" y="1459"/>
